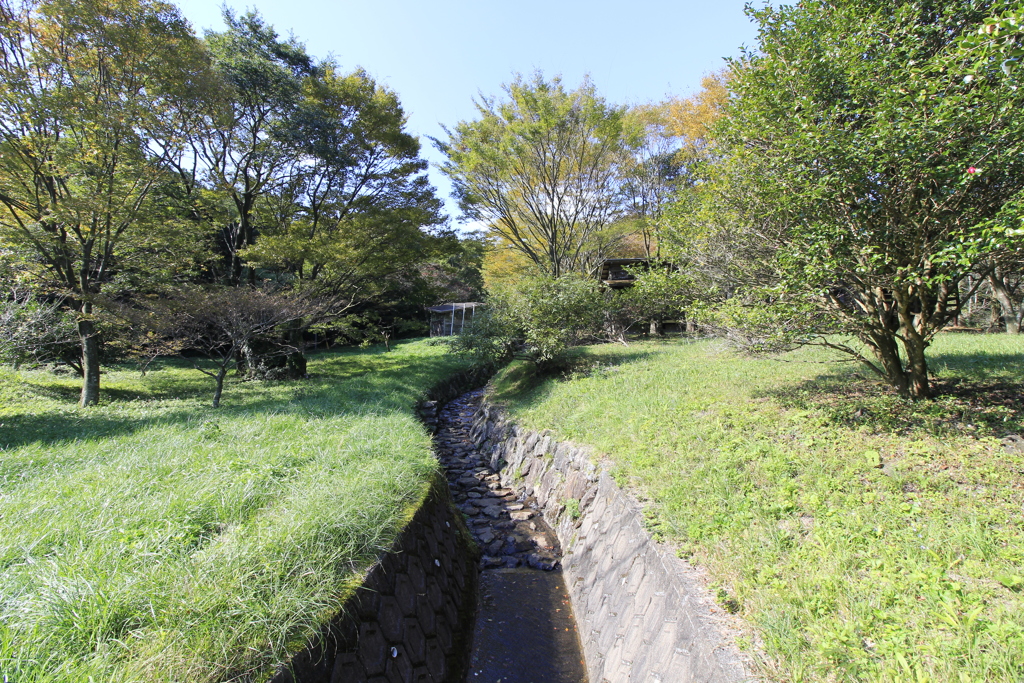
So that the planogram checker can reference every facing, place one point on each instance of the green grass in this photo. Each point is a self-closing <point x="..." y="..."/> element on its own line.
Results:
<point x="863" y="536"/>
<point x="153" y="538"/>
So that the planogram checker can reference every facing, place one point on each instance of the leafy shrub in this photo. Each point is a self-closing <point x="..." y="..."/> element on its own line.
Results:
<point x="537" y="321"/>
<point x="36" y="331"/>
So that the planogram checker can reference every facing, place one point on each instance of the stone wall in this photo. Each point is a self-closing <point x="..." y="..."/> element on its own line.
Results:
<point x="450" y="389"/>
<point x="642" y="613"/>
<point x="411" y="619"/>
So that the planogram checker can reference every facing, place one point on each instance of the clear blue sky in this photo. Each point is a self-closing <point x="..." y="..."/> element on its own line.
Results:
<point x="439" y="54"/>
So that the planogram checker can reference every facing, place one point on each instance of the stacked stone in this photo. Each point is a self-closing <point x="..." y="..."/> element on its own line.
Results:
<point x="507" y="526"/>
<point x="410" y="621"/>
<point x="643" y="613"/>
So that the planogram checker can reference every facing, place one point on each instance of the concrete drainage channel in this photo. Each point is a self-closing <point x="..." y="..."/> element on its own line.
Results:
<point x="557" y="536"/>
<point x="524" y="630"/>
<point x="642" y="613"/>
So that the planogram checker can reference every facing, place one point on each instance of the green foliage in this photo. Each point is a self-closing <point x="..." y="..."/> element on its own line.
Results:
<point x="538" y="320"/>
<point x="572" y="508"/>
<point x="320" y="188"/>
<point x="136" y="160"/>
<point x="1000" y="37"/>
<point x="558" y="313"/>
<point x="152" y="538"/>
<point x="865" y="536"/>
<point x="860" y="171"/>
<point x="352" y="200"/>
<point x="95" y="97"/>
<point x="540" y="169"/>
<point x="661" y="292"/>
<point x="493" y="337"/>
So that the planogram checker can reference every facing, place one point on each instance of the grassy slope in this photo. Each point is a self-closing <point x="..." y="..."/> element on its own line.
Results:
<point x="155" y="538"/>
<point x="865" y="537"/>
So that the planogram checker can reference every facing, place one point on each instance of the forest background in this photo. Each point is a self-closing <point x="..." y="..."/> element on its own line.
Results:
<point x="232" y="198"/>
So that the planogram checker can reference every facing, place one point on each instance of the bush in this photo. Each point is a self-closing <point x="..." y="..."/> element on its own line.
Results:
<point x="537" y="321"/>
<point x="36" y="331"/>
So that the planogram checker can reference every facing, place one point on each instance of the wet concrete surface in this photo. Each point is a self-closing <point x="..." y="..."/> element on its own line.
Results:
<point x="525" y="631"/>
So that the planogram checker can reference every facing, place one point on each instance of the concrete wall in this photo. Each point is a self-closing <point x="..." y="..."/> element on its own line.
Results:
<point x="642" y="613"/>
<point x="411" y="619"/>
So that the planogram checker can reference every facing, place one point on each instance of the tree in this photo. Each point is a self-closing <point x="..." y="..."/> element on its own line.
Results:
<point x="216" y="327"/>
<point x="94" y="98"/>
<point x="244" y="151"/>
<point x="37" y="331"/>
<point x="691" y="119"/>
<point x="866" y="169"/>
<point x="357" y="200"/>
<point x="649" y="173"/>
<point x="541" y="169"/>
<point x="667" y="143"/>
<point x="537" y="320"/>
<point x="1001" y="37"/>
<point x="312" y="176"/>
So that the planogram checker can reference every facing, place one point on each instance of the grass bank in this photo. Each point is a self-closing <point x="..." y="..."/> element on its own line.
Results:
<point x="153" y="538"/>
<point x="864" y="537"/>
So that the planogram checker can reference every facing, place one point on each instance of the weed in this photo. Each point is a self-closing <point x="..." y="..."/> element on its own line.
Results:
<point x="866" y="537"/>
<point x="153" y="538"/>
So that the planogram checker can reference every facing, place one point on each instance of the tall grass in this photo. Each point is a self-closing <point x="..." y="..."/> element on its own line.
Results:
<point x="864" y="537"/>
<point x="155" y="539"/>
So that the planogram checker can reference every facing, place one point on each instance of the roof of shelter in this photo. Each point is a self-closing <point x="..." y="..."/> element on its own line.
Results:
<point x="448" y="308"/>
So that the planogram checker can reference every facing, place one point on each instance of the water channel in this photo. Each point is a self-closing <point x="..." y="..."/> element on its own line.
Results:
<point x="524" y="631"/>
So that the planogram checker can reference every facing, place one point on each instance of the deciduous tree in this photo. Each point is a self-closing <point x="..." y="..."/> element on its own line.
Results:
<point x="94" y="97"/>
<point x="218" y="326"/>
<point x="541" y="169"/>
<point x="245" y="152"/>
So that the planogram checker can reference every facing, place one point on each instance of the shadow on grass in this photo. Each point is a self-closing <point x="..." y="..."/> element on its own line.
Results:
<point x="340" y="385"/>
<point x="50" y="429"/>
<point x="588" y="357"/>
<point x="975" y="393"/>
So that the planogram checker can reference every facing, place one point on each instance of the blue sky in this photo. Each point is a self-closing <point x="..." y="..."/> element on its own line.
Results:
<point x="438" y="55"/>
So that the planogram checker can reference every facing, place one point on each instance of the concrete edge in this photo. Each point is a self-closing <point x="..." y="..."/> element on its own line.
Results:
<point x="644" y="614"/>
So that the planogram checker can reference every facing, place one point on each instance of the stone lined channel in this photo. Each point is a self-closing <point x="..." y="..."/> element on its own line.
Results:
<point x="524" y="631"/>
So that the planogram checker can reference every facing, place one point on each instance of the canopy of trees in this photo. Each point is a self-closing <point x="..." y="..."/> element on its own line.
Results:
<point x="138" y="161"/>
<point x="863" y="168"/>
<point x="96" y="96"/>
<point x="857" y="175"/>
<point x="541" y="170"/>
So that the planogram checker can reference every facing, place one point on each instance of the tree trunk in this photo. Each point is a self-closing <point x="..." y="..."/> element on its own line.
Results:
<point x="910" y="381"/>
<point x="296" y="361"/>
<point x="655" y="328"/>
<point x="917" y="369"/>
<point x="295" y="365"/>
<point x="996" y="316"/>
<point x="90" y="358"/>
<point x="1011" y="313"/>
<point x="220" y="385"/>
<point x="238" y="241"/>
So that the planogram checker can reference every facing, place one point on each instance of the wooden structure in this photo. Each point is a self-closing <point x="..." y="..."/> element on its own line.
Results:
<point x="613" y="271"/>
<point x="449" y="319"/>
<point x="613" y="274"/>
